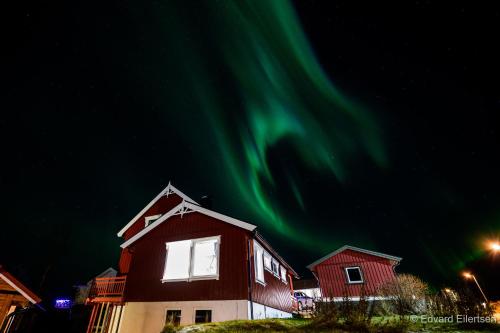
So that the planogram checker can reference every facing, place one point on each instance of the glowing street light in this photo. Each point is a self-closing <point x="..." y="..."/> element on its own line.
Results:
<point x="495" y="247"/>
<point x="469" y="276"/>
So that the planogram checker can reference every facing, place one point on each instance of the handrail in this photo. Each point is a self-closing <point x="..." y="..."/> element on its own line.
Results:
<point x="108" y="287"/>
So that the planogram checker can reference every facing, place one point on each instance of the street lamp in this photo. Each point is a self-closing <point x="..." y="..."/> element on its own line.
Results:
<point x="495" y="247"/>
<point x="469" y="276"/>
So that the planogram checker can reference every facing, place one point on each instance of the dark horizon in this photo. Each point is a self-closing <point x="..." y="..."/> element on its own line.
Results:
<point x="391" y="144"/>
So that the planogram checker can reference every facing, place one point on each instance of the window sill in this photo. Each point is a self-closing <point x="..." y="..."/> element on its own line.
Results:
<point x="197" y="278"/>
<point x="260" y="282"/>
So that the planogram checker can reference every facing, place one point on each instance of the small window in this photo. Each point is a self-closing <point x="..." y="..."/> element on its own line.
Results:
<point x="283" y="273"/>
<point x="267" y="261"/>
<point x="203" y="316"/>
<point x="150" y="219"/>
<point x="173" y="317"/>
<point x="275" y="267"/>
<point x="259" y="262"/>
<point x="354" y="275"/>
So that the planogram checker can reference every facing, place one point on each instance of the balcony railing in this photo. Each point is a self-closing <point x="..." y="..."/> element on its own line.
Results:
<point x="107" y="289"/>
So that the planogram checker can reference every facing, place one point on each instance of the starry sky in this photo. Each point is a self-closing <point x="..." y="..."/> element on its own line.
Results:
<point x="323" y="122"/>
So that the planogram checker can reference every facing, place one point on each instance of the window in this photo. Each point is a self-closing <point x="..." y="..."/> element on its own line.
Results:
<point x="150" y="219"/>
<point x="354" y="275"/>
<point x="267" y="261"/>
<point x="203" y="316"/>
<point x="259" y="262"/>
<point x="275" y="267"/>
<point x="192" y="259"/>
<point x="178" y="260"/>
<point x="173" y="317"/>
<point x="283" y="273"/>
<point x="205" y="257"/>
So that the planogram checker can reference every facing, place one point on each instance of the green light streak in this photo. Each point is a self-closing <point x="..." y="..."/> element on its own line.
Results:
<point x="282" y="94"/>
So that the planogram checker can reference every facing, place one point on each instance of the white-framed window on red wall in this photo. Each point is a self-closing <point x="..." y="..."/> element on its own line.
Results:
<point x="259" y="262"/>
<point x="354" y="274"/>
<point x="192" y="259"/>
<point x="283" y="274"/>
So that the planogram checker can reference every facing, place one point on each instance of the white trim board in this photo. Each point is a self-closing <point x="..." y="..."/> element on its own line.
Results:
<point x="19" y="290"/>
<point x="358" y="298"/>
<point x="186" y="207"/>
<point x="166" y="191"/>
<point x="356" y="249"/>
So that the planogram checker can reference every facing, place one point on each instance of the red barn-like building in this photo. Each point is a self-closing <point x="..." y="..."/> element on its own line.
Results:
<point x="353" y="272"/>
<point x="184" y="263"/>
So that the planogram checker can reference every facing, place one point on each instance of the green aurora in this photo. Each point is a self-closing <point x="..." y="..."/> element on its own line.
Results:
<point x="278" y="93"/>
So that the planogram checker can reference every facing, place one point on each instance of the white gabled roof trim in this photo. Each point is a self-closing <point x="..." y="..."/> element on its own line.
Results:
<point x="186" y="207"/>
<point x="168" y="190"/>
<point x="19" y="290"/>
<point x="353" y="248"/>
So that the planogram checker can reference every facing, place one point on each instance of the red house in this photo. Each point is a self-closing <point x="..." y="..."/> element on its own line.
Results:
<point x="352" y="272"/>
<point x="183" y="263"/>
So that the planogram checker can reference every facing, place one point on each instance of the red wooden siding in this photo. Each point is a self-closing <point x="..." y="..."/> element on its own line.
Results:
<point x="148" y="262"/>
<point x="333" y="279"/>
<point x="162" y="206"/>
<point x="275" y="293"/>
<point x="124" y="263"/>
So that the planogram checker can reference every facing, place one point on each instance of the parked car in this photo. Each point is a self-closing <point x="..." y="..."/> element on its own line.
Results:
<point x="304" y="302"/>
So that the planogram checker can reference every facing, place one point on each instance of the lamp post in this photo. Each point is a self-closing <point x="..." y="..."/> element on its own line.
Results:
<point x="469" y="276"/>
<point x="495" y="247"/>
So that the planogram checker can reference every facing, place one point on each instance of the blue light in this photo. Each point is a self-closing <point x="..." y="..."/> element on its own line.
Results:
<point x="62" y="303"/>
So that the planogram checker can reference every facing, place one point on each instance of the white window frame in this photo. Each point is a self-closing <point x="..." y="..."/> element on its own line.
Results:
<point x="191" y="261"/>
<point x="150" y="219"/>
<point x="360" y="274"/>
<point x="203" y="309"/>
<point x="277" y="265"/>
<point x="266" y="254"/>
<point x="255" y="246"/>
<point x="172" y="309"/>
<point x="282" y="268"/>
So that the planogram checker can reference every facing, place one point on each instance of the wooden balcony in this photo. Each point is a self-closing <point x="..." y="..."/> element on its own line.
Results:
<point x="107" y="289"/>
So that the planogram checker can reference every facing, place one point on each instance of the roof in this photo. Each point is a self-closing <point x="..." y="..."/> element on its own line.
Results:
<point x="170" y="189"/>
<point x="353" y="248"/>
<point x="109" y="272"/>
<point x="305" y="284"/>
<point x="186" y="207"/>
<point x="18" y="286"/>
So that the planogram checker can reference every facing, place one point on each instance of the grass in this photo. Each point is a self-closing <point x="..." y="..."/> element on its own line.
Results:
<point x="296" y="325"/>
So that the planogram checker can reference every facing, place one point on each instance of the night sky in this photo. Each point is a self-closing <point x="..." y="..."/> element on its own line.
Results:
<point x="323" y="122"/>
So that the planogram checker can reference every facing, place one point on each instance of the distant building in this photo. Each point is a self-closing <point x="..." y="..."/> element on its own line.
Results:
<point x="310" y="287"/>
<point x="13" y="296"/>
<point x="353" y="272"/>
<point x="82" y="291"/>
<point x="183" y="263"/>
